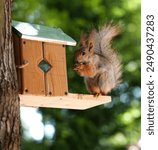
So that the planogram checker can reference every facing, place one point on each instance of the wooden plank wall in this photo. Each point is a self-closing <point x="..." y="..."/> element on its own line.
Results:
<point x="32" y="76"/>
<point x="32" y="80"/>
<point x="56" y="78"/>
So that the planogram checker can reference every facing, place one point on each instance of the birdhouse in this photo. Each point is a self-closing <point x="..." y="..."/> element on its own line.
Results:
<point x="40" y="51"/>
<point x="40" y="58"/>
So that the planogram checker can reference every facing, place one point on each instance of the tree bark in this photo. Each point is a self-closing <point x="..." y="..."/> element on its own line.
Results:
<point x="9" y="101"/>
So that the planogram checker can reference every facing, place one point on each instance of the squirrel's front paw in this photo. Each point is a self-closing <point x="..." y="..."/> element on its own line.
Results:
<point x="79" y="68"/>
<point x="85" y="70"/>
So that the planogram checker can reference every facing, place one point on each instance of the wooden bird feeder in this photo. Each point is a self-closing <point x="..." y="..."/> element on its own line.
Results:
<point x="40" y="58"/>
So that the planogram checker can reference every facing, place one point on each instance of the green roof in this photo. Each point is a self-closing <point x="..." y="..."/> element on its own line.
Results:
<point x="42" y="33"/>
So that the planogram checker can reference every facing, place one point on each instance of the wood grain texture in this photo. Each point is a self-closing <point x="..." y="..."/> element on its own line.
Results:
<point x="32" y="75"/>
<point x="70" y="101"/>
<point x="56" y="78"/>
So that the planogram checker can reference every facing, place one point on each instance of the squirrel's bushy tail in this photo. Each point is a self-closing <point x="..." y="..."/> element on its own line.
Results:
<point x="103" y="46"/>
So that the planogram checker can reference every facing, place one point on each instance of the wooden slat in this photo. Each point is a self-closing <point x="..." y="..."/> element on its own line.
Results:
<point x="57" y="51"/>
<point x="56" y="78"/>
<point x="70" y="101"/>
<point x="32" y="76"/>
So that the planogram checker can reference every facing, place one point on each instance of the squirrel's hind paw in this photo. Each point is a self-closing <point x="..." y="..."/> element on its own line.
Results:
<point x="96" y="94"/>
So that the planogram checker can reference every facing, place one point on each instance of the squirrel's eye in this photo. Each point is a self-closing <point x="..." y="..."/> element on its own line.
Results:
<point x="83" y="53"/>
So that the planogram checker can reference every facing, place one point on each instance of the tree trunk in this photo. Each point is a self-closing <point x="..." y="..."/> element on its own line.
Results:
<point x="9" y="101"/>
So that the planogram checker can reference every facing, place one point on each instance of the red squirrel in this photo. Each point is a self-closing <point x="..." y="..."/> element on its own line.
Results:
<point x="97" y="61"/>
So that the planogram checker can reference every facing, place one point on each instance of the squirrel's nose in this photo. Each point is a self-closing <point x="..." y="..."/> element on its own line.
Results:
<point x="75" y="67"/>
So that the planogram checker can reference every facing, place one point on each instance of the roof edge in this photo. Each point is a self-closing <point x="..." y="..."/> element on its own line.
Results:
<point x="48" y="40"/>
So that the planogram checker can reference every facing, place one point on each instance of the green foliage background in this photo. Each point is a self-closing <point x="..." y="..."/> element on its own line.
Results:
<point x="108" y="127"/>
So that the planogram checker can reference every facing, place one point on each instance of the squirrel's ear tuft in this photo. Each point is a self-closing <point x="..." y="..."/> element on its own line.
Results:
<point x="90" y="46"/>
<point x="91" y="40"/>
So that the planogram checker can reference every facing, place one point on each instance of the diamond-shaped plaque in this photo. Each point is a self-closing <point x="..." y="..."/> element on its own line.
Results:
<point x="44" y="66"/>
